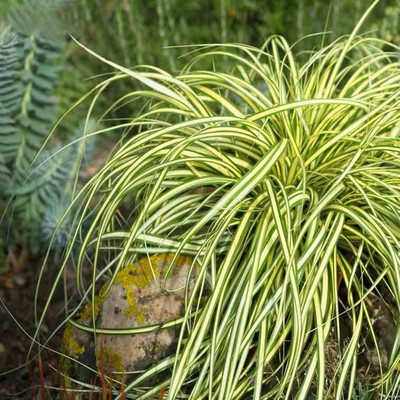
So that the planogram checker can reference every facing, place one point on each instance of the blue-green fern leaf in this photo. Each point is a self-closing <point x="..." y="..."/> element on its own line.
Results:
<point x="43" y="195"/>
<point x="4" y="175"/>
<point x="11" y="91"/>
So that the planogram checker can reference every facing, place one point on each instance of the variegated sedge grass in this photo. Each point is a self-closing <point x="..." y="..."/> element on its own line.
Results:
<point x="303" y="186"/>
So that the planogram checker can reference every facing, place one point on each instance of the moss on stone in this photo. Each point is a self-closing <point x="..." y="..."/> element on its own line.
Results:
<point x="86" y="311"/>
<point x="114" y="360"/>
<point x="70" y="347"/>
<point x="111" y="361"/>
<point x="142" y="273"/>
<point x="139" y="274"/>
<point x="133" y="310"/>
<point x="69" y="343"/>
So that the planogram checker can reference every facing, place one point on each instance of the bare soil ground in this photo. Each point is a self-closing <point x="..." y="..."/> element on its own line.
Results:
<point x="19" y="379"/>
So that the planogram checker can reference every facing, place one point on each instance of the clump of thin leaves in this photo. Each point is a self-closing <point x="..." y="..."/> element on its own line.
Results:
<point x="283" y="182"/>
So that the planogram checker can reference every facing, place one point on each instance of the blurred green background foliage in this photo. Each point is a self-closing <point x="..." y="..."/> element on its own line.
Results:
<point x="49" y="71"/>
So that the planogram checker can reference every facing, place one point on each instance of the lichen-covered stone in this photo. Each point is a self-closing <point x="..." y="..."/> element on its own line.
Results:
<point x="141" y="295"/>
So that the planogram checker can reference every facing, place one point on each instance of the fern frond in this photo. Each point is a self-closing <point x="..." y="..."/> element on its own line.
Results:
<point x="49" y="225"/>
<point x="37" y="111"/>
<point x="4" y="175"/>
<point x="28" y="76"/>
<point x="11" y="90"/>
<point x="32" y="57"/>
<point x="42" y="199"/>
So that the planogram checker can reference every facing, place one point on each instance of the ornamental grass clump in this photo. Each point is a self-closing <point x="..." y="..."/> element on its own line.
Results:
<point x="282" y="180"/>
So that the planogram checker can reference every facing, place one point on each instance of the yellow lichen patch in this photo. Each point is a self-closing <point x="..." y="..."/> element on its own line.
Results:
<point x="65" y="366"/>
<point x="114" y="360"/>
<point x="86" y="311"/>
<point x="141" y="274"/>
<point x="71" y="348"/>
<point x="70" y="345"/>
<point x="180" y="261"/>
<point x="133" y="310"/>
<point x="111" y="362"/>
